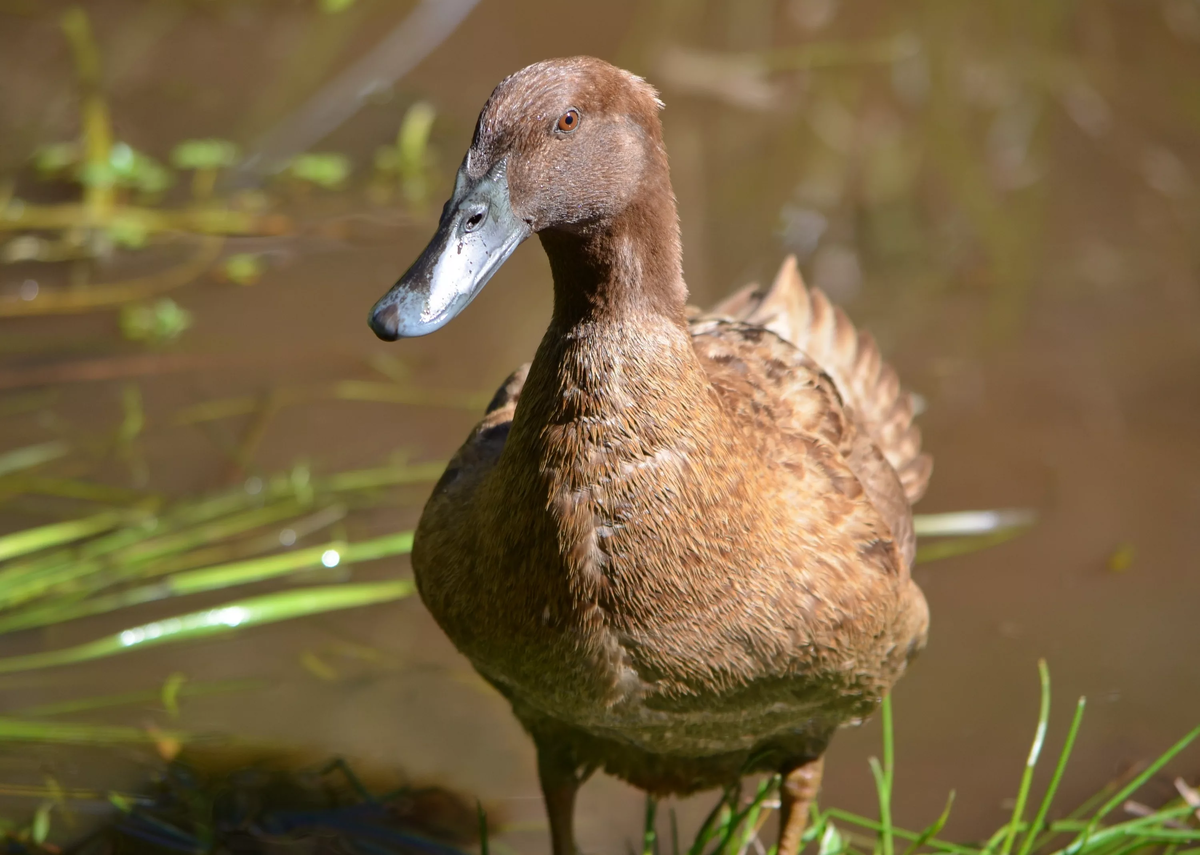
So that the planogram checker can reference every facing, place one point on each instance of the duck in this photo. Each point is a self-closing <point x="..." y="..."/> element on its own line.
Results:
<point x="678" y="542"/>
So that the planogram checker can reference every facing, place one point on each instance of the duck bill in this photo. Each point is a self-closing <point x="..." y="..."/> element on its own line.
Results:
<point x="477" y="232"/>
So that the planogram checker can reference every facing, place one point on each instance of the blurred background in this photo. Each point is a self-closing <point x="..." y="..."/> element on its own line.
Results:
<point x="201" y="199"/>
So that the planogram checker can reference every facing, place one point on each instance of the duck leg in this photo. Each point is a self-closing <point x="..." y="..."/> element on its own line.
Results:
<point x="560" y="779"/>
<point x="796" y="794"/>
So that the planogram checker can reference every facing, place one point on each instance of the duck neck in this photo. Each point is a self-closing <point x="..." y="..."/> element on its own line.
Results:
<point x="621" y="269"/>
<point x="618" y="355"/>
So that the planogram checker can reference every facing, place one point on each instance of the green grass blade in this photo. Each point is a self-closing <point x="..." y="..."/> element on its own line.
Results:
<point x="212" y="578"/>
<point x="385" y="476"/>
<point x="246" y="572"/>
<point x="883" y="778"/>
<point x="708" y="828"/>
<point x="748" y="820"/>
<point x="955" y="546"/>
<point x="871" y="824"/>
<point x="649" y="836"/>
<point x="1035" y="752"/>
<point x="960" y="523"/>
<point x="1146" y="775"/>
<point x="15" y="730"/>
<point x="1064" y="755"/>
<point x="209" y="532"/>
<point x="1089" y="834"/>
<point x="146" y="697"/>
<point x="32" y="455"/>
<point x="181" y="584"/>
<point x="243" y="613"/>
<point x="885" y="807"/>
<point x="56" y="534"/>
<point x="933" y="830"/>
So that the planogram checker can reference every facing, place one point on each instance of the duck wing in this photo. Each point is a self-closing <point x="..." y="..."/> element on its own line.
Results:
<point x="817" y="376"/>
<point x="869" y="386"/>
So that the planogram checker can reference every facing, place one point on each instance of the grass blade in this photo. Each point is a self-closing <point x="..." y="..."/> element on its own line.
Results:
<point x="56" y="534"/>
<point x="708" y="828"/>
<point x="955" y="546"/>
<point x="270" y="608"/>
<point x="960" y="523"/>
<point x="871" y="824"/>
<point x="15" y="730"/>
<point x="1035" y="752"/>
<point x="933" y="830"/>
<point x="649" y="835"/>
<point x="883" y="778"/>
<point x="1048" y="798"/>
<point x="148" y="696"/>
<point x="1089" y="833"/>
<point x="32" y="455"/>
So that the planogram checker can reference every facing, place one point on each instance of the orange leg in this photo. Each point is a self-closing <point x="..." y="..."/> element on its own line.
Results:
<point x="796" y="794"/>
<point x="560" y="782"/>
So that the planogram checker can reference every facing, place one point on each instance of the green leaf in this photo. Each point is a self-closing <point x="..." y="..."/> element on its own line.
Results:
<point x="32" y="455"/>
<point x="204" y="154"/>
<point x="120" y="802"/>
<point x="170" y="693"/>
<point x="244" y="268"/>
<point x="832" y="842"/>
<point x="324" y="170"/>
<point x="129" y="232"/>
<point x="56" y="157"/>
<point x="161" y="321"/>
<point x="40" y="829"/>
<point x="128" y="167"/>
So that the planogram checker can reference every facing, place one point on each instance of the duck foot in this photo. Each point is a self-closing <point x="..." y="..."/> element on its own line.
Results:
<point x="796" y="795"/>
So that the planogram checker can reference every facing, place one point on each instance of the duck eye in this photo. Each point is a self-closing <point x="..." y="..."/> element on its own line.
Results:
<point x="568" y="121"/>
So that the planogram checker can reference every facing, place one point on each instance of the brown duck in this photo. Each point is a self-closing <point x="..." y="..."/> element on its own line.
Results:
<point x="679" y="543"/>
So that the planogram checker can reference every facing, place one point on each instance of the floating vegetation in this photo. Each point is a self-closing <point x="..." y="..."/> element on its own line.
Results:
<point x="108" y="170"/>
<point x="206" y="158"/>
<point x="122" y="206"/>
<point x="409" y="161"/>
<point x="157" y="322"/>
<point x="328" y="170"/>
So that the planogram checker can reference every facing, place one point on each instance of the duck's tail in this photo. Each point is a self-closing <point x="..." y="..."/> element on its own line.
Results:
<point x="808" y="320"/>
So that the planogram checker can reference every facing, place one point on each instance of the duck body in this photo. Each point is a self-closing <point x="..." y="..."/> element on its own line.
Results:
<point x="678" y="543"/>
<point x="655" y="546"/>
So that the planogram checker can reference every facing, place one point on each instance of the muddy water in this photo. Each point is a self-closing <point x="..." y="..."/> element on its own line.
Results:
<point x="1012" y="209"/>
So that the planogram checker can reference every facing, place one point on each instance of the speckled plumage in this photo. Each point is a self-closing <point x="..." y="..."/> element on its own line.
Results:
<point x="679" y="543"/>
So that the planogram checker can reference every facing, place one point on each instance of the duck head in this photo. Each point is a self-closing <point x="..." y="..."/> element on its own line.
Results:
<point x="570" y="149"/>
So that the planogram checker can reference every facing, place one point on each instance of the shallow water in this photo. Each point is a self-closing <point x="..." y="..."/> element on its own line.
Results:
<point x="1011" y="208"/>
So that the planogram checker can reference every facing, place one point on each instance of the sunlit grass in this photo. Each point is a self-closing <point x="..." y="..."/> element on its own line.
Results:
<point x="733" y="825"/>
